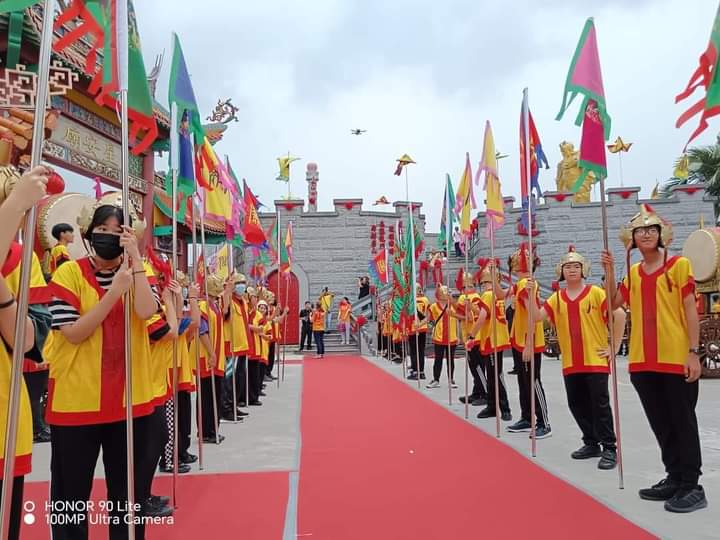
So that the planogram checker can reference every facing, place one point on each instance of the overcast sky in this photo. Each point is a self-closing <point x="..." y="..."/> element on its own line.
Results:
<point x="422" y="77"/>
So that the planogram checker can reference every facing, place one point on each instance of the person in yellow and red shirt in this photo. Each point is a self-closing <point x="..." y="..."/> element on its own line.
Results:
<point x="492" y="340"/>
<point x="28" y="190"/>
<point x="255" y="369"/>
<point x="387" y="330"/>
<point x="59" y="254"/>
<point x="86" y="390"/>
<point x="212" y="357"/>
<point x="467" y="309"/>
<point x="277" y="316"/>
<point x="318" y="325"/>
<point x="261" y="329"/>
<point x="162" y="330"/>
<point x="444" y="318"/>
<point x="664" y="354"/>
<point x="526" y="346"/>
<point x="418" y="336"/>
<point x="236" y="347"/>
<point x="579" y="313"/>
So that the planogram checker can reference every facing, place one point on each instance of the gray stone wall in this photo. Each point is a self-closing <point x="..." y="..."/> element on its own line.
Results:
<point x="333" y="248"/>
<point x="562" y="223"/>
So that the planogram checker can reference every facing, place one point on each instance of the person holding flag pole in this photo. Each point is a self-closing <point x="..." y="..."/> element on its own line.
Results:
<point x="18" y="355"/>
<point x="196" y="257"/>
<point x="585" y="78"/>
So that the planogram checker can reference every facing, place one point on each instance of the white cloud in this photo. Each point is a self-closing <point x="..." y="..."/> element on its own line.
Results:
<point x="422" y="78"/>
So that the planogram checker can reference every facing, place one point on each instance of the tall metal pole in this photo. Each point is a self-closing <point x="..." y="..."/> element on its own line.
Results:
<point x="23" y="292"/>
<point x="467" y="353"/>
<point x="611" y="329"/>
<point x="448" y="234"/>
<point x="531" y="294"/>
<point x="493" y="322"/>
<point x="207" y="304"/>
<point x="122" y="43"/>
<point x="278" y="273"/>
<point x="198" y="386"/>
<point x="231" y="317"/>
<point x="174" y="165"/>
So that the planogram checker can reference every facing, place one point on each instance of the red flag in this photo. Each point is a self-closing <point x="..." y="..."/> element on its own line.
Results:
<point x="252" y="229"/>
<point x="200" y="272"/>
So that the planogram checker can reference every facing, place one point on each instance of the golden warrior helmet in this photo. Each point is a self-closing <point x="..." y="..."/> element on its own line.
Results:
<point x="215" y="285"/>
<point x="646" y="218"/>
<point x="484" y="274"/>
<point x="238" y="278"/>
<point x="113" y="198"/>
<point x="442" y="292"/>
<point x="519" y="261"/>
<point x="572" y="256"/>
<point x="251" y="291"/>
<point x="183" y="279"/>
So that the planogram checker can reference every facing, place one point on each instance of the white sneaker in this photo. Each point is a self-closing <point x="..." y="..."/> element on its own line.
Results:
<point x="433" y="384"/>
<point x="453" y="385"/>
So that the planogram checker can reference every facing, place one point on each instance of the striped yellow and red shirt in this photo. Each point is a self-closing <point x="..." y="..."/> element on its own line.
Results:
<point x="520" y="320"/>
<point x="486" y="335"/>
<point x="445" y="330"/>
<point x="582" y="331"/>
<point x="659" y="339"/>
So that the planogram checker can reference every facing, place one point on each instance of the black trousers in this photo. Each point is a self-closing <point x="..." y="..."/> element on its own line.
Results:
<point x="271" y="358"/>
<point x="238" y="378"/>
<point x="416" y="345"/>
<point x="37" y="382"/>
<point x="478" y="369"/>
<point x="256" y="371"/>
<point x="380" y="340"/>
<point x="75" y="451"/>
<point x="490" y="363"/>
<point x="669" y="403"/>
<point x="319" y="341"/>
<point x="152" y="444"/>
<point x="541" y="411"/>
<point x="208" y="413"/>
<point x="16" y="507"/>
<point x="440" y="353"/>
<point x="589" y="403"/>
<point x="306" y="335"/>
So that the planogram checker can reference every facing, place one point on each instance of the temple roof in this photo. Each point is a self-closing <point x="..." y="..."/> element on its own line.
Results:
<point x="73" y="56"/>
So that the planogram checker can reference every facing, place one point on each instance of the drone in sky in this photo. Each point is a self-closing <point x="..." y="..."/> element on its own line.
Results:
<point x="358" y="131"/>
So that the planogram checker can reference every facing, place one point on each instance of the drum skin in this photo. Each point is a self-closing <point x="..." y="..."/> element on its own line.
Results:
<point x="703" y="249"/>
<point x="62" y="208"/>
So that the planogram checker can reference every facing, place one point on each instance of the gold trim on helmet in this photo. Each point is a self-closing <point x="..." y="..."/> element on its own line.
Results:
<point x="182" y="279"/>
<point x="113" y="198"/>
<point x="647" y="217"/>
<point x="251" y="291"/>
<point x="572" y="256"/>
<point x="442" y="292"/>
<point x="239" y="278"/>
<point x="519" y="261"/>
<point x="468" y="280"/>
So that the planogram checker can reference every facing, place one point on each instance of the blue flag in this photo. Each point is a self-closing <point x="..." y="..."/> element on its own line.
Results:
<point x="182" y="94"/>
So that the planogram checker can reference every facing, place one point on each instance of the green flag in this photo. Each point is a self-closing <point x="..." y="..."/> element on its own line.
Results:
<point x="181" y="92"/>
<point x="447" y="214"/>
<point x="15" y="5"/>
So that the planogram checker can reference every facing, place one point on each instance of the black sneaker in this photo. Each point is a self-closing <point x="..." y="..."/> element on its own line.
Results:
<point x="151" y="508"/>
<point x="587" y="451"/>
<point x="413" y="376"/>
<point x="255" y="403"/>
<point x="187" y="458"/>
<point x="687" y="500"/>
<point x="608" y="459"/>
<point x="211" y="440"/>
<point x="240" y="413"/>
<point x="42" y="437"/>
<point x="506" y="416"/>
<point x="470" y="399"/>
<point x="542" y="432"/>
<point x="422" y="376"/>
<point x="520" y="426"/>
<point x="168" y="468"/>
<point x="159" y="500"/>
<point x="664" y="490"/>
<point x="487" y="412"/>
<point x="479" y="402"/>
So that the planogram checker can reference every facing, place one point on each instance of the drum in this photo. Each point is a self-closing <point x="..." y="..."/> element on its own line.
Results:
<point x="62" y="208"/>
<point x="703" y="249"/>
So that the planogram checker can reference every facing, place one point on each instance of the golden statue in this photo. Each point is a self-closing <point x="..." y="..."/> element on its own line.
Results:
<point x="568" y="172"/>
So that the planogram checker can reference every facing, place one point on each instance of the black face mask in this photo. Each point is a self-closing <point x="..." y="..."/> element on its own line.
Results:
<point x="106" y="246"/>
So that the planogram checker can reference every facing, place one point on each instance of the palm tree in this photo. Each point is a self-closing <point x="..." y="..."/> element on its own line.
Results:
<point x="703" y="165"/>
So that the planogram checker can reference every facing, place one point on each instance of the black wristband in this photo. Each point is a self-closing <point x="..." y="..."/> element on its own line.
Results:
<point x="7" y="304"/>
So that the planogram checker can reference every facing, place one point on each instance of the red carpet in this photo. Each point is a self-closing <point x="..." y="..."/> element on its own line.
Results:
<point x="244" y="505"/>
<point x="380" y="461"/>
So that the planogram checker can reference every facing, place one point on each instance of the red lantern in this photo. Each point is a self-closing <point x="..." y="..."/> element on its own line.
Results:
<point x="349" y="205"/>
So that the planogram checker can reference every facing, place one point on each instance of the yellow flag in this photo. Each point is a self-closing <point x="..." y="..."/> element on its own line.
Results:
<point x="465" y="198"/>
<point x="284" y="165"/>
<point x="222" y="262"/>
<point x="495" y="214"/>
